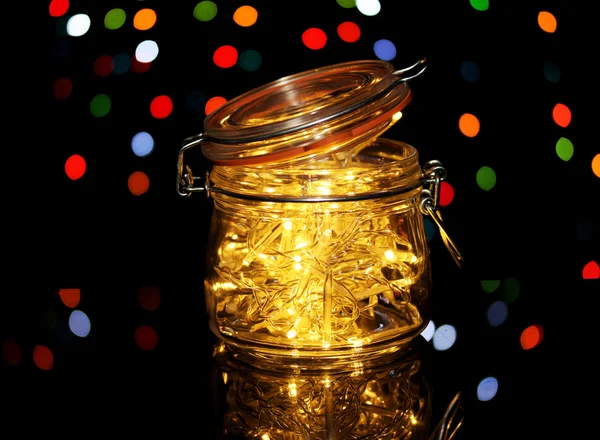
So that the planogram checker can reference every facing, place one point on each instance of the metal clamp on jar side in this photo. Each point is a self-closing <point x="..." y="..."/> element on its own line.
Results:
<point x="434" y="174"/>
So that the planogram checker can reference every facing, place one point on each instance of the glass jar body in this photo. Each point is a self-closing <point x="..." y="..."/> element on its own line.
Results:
<point x="325" y="264"/>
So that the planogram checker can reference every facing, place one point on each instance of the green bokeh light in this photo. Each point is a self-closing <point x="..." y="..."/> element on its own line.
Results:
<point x="347" y="3"/>
<point x="511" y="288"/>
<point x="564" y="149"/>
<point x="114" y="19"/>
<point x="490" y="286"/>
<point x="100" y="105"/>
<point x="551" y="72"/>
<point x="486" y="178"/>
<point x="480" y="5"/>
<point x="250" y="60"/>
<point x="205" y="10"/>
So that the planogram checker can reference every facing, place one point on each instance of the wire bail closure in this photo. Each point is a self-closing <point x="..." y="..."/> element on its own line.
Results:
<point x="433" y="175"/>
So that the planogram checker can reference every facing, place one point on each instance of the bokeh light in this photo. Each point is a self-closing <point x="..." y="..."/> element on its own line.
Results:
<point x="146" y="51"/>
<point x="121" y="64"/>
<point x="446" y="194"/>
<point x="103" y="65"/>
<point x="314" y="38"/>
<point x="43" y="357"/>
<point x="561" y="115"/>
<point x="564" y="149"/>
<point x="161" y="107"/>
<point x="531" y="336"/>
<point x="547" y="21"/>
<point x="149" y="298"/>
<point x="591" y="271"/>
<point x="250" y="60"/>
<point x="225" y="56"/>
<point x="368" y="7"/>
<point x="70" y="297"/>
<point x="511" y="288"/>
<point x="486" y="178"/>
<point x="551" y="72"/>
<point x="349" y="32"/>
<point x="470" y="71"/>
<point x="205" y="10"/>
<point x="138" y="183"/>
<point x="115" y="19"/>
<point x="78" y="25"/>
<point x="430" y="229"/>
<point x="497" y="313"/>
<point x="487" y="389"/>
<point x="75" y="167"/>
<point x="596" y="165"/>
<point x="429" y="331"/>
<point x="58" y="8"/>
<point x="384" y="50"/>
<point x="346" y="3"/>
<point x="139" y="67"/>
<point x="245" y="16"/>
<point x="100" y="105"/>
<point x="79" y="323"/>
<point x="444" y="337"/>
<point x="142" y="144"/>
<point x="11" y="352"/>
<point x="62" y="88"/>
<point x="144" y="19"/>
<point x="480" y="5"/>
<point x="146" y="337"/>
<point x="468" y="125"/>
<point x="214" y="103"/>
<point x="490" y="286"/>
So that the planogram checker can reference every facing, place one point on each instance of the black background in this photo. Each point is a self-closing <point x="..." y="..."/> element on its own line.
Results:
<point x="95" y="235"/>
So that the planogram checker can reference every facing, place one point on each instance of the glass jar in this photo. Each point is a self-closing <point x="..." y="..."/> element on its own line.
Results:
<point x="317" y="253"/>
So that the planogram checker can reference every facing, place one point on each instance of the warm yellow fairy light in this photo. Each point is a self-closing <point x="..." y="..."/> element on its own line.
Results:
<point x="317" y="276"/>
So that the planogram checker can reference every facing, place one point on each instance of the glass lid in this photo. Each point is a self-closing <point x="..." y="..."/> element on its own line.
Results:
<point x="319" y="111"/>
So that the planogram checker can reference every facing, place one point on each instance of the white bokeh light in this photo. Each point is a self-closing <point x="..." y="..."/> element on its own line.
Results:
<point x="428" y="332"/>
<point x="444" y="337"/>
<point x="78" y="25"/>
<point x="146" y="51"/>
<point x="142" y="144"/>
<point x="368" y="7"/>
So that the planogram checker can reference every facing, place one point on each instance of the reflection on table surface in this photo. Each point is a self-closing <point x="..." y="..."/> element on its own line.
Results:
<point x="389" y="399"/>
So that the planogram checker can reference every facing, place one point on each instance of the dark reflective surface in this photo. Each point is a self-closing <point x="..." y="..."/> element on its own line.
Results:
<point x="391" y="399"/>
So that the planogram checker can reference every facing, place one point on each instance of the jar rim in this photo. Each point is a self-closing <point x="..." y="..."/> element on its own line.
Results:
<point x="384" y="168"/>
<point x="309" y="112"/>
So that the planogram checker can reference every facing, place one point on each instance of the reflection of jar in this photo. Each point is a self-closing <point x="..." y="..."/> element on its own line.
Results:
<point x="317" y="252"/>
<point x="388" y="401"/>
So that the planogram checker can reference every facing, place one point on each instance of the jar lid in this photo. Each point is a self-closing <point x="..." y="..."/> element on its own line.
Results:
<point x="317" y="112"/>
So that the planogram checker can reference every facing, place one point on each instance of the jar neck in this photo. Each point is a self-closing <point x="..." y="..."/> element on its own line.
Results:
<point x="382" y="167"/>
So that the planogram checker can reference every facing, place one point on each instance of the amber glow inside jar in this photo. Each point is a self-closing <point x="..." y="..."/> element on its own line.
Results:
<point x="317" y="253"/>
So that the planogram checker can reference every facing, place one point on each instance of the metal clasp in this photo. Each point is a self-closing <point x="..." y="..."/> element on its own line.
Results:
<point x="433" y="175"/>
<point x="186" y="181"/>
